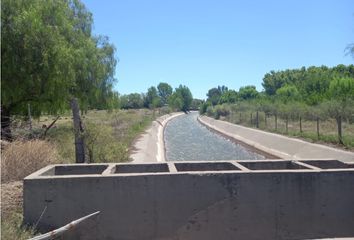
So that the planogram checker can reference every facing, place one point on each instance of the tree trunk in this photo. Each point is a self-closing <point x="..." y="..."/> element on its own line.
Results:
<point x="29" y="118"/>
<point x="276" y="122"/>
<point x="251" y="119"/>
<point x="339" y="125"/>
<point x="265" y="120"/>
<point x="5" y="124"/>
<point x="78" y="130"/>
<point x="300" y="125"/>
<point x="257" y="120"/>
<point x="318" y="127"/>
<point x="240" y="117"/>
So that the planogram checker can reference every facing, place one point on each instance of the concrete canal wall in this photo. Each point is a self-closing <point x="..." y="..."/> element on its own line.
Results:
<point x="275" y="144"/>
<point x="150" y="146"/>
<point x="258" y="199"/>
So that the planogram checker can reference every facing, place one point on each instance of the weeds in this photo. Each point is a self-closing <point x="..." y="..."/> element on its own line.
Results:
<point x="21" y="158"/>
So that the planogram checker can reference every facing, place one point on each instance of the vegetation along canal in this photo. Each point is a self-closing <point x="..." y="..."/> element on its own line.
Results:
<point x="186" y="139"/>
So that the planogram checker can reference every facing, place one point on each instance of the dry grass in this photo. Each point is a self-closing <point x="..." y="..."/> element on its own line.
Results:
<point x="11" y="212"/>
<point x="11" y="198"/>
<point x="113" y="134"/>
<point x="21" y="158"/>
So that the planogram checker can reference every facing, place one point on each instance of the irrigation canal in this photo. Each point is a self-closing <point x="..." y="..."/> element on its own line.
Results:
<point x="186" y="139"/>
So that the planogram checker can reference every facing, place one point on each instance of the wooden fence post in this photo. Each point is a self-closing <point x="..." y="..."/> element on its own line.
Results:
<point x="318" y="127"/>
<point x="286" y="124"/>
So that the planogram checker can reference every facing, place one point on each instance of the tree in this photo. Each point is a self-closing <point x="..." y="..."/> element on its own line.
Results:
<point x="132" y="101"/>
<point x="152" y="100"/>
<point x="248" y="92"/>
<point x="164" y="91"/>
<point x="214" y="94"/>
<point x="196" y="104"/>
<point x="271" y="82"/>
<point x="341" y="91"/>
<point x="229" y="96"/>
<point x="181" y="99"/>
<point x="51" y="60"/>
<point x="288" y="93"/>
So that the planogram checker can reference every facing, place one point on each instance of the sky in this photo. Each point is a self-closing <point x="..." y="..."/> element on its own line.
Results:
<point x="206" y="43"/>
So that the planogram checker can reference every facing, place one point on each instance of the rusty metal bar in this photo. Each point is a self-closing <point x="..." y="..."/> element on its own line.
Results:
<point x="60" y="231"/>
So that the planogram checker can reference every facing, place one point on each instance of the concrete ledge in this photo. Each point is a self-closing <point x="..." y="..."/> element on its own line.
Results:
<point x="150" y="146"/>
<point x="246" y="199"/>
<point x="275" y="144"/>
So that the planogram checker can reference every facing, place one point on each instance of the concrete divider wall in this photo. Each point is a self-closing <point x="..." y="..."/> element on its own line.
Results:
<point x="197" y="200"/>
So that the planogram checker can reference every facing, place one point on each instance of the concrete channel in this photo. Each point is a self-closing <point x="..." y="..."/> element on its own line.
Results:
<point x="302" y="196"/>
<point x="256" y="199"/>
<point x="150" y="146"/>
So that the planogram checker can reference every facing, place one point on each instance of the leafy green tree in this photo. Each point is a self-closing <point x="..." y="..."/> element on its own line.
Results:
<point x="181" y="99"/>
<point x="196" y="104"/>
<point x="164" y="91"/>
<point x="49" y="59"/>
<point x="204" y="107"/>
<point x="340" y="106"/>
<point x="214" y="94"/>
<point x="288" y="93"/>
<point x="248" y="92"/>
<point x="152" y="99"/>
<point x="132" y="101"/>
<point x="271" y="82"/>
<point x="229" y="96"/>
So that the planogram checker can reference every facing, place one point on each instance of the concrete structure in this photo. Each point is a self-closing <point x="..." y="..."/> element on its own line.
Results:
<point x="258" y="199"/>
<point x="275" y="144"/>
<point x="150" y="146"/>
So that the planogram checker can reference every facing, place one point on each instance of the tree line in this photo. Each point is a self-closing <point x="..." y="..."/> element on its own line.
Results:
<point x="314" y="93"/>
<point x="179" y="99"/>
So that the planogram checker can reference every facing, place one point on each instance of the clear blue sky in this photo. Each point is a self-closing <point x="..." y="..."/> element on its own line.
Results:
<point x="204" y="43"/>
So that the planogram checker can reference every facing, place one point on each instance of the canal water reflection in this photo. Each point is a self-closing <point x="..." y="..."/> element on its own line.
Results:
<point x="186" y="139"/>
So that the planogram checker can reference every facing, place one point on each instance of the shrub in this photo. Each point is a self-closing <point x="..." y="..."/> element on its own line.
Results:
<point x="221" y="110"/>
<point x="21" y="158"/>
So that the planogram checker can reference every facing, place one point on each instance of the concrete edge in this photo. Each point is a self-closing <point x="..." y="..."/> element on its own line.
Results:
<point x="269" y="153"/>
<point x="172" y="170"/>
<point x="161" y="151"/>
<point x="285" y="137"/>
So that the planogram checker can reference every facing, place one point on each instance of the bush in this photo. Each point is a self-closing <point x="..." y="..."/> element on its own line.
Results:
<point x="221" y="110"/>
<point x="204" y="107"/>
<point x="21" y="158"/>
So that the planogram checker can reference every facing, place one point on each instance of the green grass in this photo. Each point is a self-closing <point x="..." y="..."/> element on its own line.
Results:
<point x="108" y="137"/>
<point x="12" y="228"/>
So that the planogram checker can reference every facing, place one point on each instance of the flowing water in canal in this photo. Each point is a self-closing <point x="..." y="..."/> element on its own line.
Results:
<point x="187" y="139"/>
